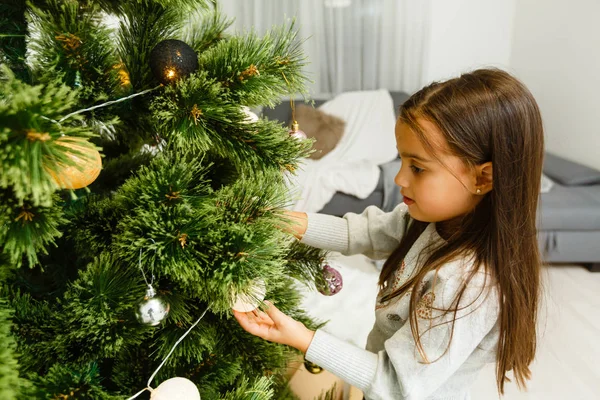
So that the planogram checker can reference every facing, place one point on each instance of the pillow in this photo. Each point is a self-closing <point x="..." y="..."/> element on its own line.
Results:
<point x="326" y="129"/>
<point x="546" y="184"/>
<point x="569" y="173"/>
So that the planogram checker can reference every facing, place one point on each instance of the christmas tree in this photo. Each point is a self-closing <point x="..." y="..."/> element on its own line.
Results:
<point x="140" y="196"/>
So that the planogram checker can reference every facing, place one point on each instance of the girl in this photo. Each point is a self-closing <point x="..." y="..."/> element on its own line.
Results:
<point x="460" y="286"/>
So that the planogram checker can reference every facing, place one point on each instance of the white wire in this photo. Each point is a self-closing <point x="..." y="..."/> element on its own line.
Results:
<point x="108" y="103"/>
<point x="141" y="269"/>
<point x="138" y="393"/>
<point x="168" y="355"/>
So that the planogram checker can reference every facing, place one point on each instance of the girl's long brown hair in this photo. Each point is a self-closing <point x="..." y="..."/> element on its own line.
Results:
<point x="487" y="115"/>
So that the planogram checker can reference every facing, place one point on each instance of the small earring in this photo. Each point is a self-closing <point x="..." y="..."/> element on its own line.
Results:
<point x="478" y="191"/>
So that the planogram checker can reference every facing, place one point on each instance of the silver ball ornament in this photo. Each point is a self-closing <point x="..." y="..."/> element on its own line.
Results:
<point x="152" y="309"/>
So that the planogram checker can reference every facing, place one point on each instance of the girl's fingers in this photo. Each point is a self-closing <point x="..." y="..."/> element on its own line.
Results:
<point x="274" y="313"/>
<point x="258" y="326"/>
<point x="245" y="322"/>
<point x="242" y="318"/>
<point x="264" y="318"/>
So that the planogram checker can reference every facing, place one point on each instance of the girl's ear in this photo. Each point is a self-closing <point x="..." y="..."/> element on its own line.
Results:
<point x="483" y="180"/>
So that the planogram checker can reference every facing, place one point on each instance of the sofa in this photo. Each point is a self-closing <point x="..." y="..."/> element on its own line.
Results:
<point x="569" y="213"/>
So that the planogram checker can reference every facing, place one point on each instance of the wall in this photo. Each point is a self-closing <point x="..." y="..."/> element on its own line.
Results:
<point x="467" y="34"/>
<point x="556" y="52"/>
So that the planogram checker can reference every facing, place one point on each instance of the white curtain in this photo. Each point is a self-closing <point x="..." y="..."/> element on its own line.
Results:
<point x="358" y="45"/>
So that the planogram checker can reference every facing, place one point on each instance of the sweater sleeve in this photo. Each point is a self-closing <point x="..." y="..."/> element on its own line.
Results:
<point x="373" y="233"/>
<point x="399" y="371"/>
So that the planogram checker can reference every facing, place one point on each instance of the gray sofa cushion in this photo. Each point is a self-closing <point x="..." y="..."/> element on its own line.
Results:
<point x="573" y="208"/>
<point x="569" y="173"/>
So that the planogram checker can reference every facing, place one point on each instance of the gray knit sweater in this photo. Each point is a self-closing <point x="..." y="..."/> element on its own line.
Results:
<point x="391" y="367"/>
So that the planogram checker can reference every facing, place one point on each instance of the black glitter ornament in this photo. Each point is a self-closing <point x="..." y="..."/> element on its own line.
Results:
<point x="171" y="60"/>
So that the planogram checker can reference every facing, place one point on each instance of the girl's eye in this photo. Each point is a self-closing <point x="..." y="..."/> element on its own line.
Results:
<point x="416" y="169"/>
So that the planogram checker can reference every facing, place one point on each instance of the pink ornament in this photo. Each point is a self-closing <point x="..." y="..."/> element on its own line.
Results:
<point x="333" y="281"/>
<point x="296" y="133"/>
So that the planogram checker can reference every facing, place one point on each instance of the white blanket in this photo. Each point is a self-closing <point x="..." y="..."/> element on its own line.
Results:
<point x="352" y="166"/>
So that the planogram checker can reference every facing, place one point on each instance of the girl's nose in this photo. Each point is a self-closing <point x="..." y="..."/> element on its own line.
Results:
<point x="401" y="179"/>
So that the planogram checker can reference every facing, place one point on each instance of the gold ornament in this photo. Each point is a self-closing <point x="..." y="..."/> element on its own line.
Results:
<point x="88" y="164"/>
<point x="294" y="131"/>
<point x="312" y="368"/>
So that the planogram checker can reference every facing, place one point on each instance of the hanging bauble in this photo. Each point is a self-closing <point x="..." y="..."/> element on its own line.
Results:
<point x="296" y="133"/>
<point x="88" y="164"/>
<point x="176" y="389"/>
<point x="312" y="368"/>
<point x="250" y="116"/>
<point x="251" y="299"/>
<point x="152" y="309"/>
<point x="333" y="281"/>
<point x="171" y="60"/>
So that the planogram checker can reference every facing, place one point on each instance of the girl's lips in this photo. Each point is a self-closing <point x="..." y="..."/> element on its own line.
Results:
<point x="408" y="201"/>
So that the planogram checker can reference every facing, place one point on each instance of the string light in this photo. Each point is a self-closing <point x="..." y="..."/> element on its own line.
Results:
<point x="170" y="73"/>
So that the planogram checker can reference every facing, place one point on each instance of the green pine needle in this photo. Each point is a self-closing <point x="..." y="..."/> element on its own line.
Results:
<point x="191" y="192"/>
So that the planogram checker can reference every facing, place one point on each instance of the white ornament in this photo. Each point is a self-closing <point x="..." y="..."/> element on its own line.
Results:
<point x="250" y="300"/>
<point x="250" y="116"/>
<point x="176" y="389"/>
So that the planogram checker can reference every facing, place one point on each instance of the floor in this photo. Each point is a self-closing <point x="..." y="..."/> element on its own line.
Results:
<point x="567" y="364"/>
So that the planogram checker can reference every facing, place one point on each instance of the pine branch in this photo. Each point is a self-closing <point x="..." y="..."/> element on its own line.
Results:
<point x="78" y="381"/>
<point x="13" y="29"/>
<point x="258" y="390"/>
<point x="99" y="310"/>
<point x="304" y="263"/>
<point x="144" y="24"/>
<point x="29" y="147"/>
<point x="258" y="71"/>
<point x="34" y="324"/>
<point x="10" y="383"/>
<point x="208" y="30"/>
<point x="92" y="222"/>
<point x="210" y="201"/>
<point x="26" y="230"/>
<point x="331" y="394"/>
<point x="73" y="47"/>
<point x="193" y="113"/>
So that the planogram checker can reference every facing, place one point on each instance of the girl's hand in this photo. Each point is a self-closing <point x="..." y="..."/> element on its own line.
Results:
<point x="275" y="326"/>
<point x="296" y="224"/>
